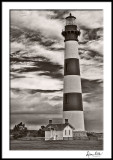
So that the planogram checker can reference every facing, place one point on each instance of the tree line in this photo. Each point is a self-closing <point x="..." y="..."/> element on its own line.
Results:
<point x="20" y="130"/>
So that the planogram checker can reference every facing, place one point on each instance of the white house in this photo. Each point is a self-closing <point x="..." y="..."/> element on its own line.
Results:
<point x="59" y="131"/>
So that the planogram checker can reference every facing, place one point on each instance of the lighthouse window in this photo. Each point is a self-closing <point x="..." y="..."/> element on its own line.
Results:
<point x="70" y="21"/>
<point x="67" y="100"/>
<point x="65" y="132"/>
<point x="66" y="67"/>
<point x="69" y="132"/>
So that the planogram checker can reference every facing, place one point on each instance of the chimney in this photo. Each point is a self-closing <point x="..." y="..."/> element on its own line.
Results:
<point x="50" y="121"/>
<point x="66" y="121"/>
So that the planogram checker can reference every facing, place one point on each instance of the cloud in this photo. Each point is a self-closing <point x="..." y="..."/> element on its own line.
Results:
<point x="38" y="21"/>
<point x="91" y="69"/>
<point x="35" y="120"/>
<point x="94" y="46"/>
<point x="89" y="19"/>
<point x="40" y="82"/>
<point x="87" y="55"/>
<point x="41" y="68"/>
<point x="35" y="49"/>
<point x="94" y="120"/>
<point x="28" y="36"/>
<point x="89" y="86"/>
<point x="60" y="14"/>
<point x="39" y="107"/>
<point x="57" y="98"/>
<point x="33" y="91"/>
<point x="91" y="34"/>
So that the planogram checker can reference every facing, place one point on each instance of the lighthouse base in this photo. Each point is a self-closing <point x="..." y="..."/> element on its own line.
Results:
<point x="79" y="135"/>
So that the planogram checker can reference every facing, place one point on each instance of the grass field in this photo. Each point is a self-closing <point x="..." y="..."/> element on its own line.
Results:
<point x="56" y="145"/>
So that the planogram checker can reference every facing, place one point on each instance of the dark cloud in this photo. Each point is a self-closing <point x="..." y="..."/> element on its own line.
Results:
<point x="23" y="34"/>
<point x="31" y="113"/>
<point x="90" y="54"/>
<point x="91" y="34"/>
<point x="33" y="91"/>
<point x="89" y="86"/>
<point x="53" y="75"/>
<point x="40" y="64"/>
<point x="24" y="58"/>
<point x="57" y="49"/>
<point x="16" y="76"/>
<point x="57" y="98"/>
<point x="59" y="14"/>
<point x="15" y="34"/>
<point x="93" y="90"/>
<point x="34" y="119"/>
<point x="20" y="34"/>
<point x="95" y="97"/>
<point x="36" y="36"/>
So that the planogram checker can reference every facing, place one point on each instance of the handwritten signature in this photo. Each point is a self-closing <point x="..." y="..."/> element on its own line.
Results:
<point x="95" y="154"/>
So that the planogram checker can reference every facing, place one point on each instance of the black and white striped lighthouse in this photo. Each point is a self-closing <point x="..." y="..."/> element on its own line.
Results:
<point x="72" y="96"/>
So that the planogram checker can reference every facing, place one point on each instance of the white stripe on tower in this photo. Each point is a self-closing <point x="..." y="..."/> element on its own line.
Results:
<point x="72" y="83"/>
<point x="72" y="97"/>
<point x="71" y="49"/>
<point x="76" y="118"/>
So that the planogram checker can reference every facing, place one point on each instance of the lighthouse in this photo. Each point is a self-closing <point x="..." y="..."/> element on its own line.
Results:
<point x="72" y="92"/>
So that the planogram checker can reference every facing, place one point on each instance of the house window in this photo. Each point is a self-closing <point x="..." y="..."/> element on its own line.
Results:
<point x="65" y="132"/>
<point x="69" y="132"/>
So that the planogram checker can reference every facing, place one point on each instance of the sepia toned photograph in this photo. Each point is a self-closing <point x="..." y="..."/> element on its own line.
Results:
<point x="56" y="79"/>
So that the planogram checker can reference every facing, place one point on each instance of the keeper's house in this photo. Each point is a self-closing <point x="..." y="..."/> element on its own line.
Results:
<point x="59" y="131"/>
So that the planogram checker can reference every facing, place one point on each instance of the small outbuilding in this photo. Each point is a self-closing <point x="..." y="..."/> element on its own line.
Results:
<point x="59" y="131"/>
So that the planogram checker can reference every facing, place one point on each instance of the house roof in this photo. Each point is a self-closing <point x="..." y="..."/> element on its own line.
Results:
<point x="57" y="127"/>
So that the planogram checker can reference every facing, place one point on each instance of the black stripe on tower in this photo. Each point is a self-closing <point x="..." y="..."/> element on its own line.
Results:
<point x="72" y="102"/>
<point x="71" y="66"/>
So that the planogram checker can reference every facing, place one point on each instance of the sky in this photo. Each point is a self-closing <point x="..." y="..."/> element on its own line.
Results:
<point x="37" y="66"/>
